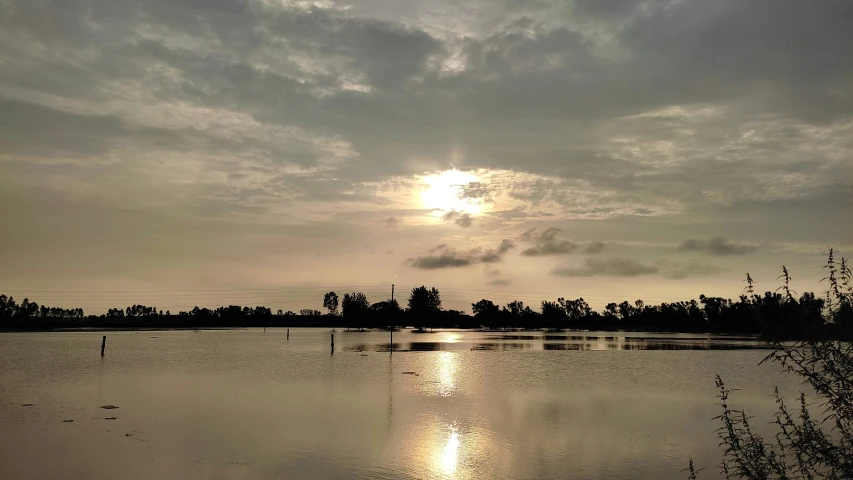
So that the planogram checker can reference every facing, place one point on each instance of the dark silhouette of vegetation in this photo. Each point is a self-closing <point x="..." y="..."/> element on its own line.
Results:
<point x="781" y="314"/>
<point x="424" y="306"/>
<point x="387" y="314"/>
<point x="805" y="446"/>
<point x="330" y="303"/>
<point x="356" y="310"/>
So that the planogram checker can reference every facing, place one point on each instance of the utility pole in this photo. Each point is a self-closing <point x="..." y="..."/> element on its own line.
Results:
<point x="392" y="326"/>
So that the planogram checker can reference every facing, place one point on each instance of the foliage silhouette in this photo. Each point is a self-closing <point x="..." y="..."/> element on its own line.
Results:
<point x="783" y="314"/>
<point x="330" y="303"/>
<point x="424" y="306"/>
<point x="805" y="446"/>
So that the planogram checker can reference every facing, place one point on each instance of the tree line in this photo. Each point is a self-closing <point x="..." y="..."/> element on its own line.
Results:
<point x="777" y="314"/>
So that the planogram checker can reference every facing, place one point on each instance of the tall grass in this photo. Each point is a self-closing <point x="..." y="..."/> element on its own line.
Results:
<point x="805" y="446"/>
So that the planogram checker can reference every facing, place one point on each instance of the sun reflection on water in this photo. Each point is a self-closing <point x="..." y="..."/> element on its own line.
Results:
<point x="447" y="366"/>
<point x="450" y="453"/>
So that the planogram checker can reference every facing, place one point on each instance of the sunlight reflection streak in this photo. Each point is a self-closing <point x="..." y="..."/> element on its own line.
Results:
<point x="450" y="454"/>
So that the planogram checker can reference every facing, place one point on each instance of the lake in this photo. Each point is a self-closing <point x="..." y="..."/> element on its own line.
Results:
<point x="248" y="404"/>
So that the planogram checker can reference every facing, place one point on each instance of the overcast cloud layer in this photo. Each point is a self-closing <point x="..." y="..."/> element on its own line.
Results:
<point x="604" y="149"/>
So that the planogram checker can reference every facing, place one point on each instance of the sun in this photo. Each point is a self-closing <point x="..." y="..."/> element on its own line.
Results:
<point x="442" y="193"/>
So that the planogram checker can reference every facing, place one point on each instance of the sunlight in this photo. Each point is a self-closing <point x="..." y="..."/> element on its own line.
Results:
<point x="441" y="193"/>
<point x="450" y="454"/>
<point x="447" y="373"/>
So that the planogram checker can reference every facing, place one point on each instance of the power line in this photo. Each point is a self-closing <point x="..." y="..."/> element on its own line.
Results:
<point x="298" y="293"/>
<point x="345" y="287"/>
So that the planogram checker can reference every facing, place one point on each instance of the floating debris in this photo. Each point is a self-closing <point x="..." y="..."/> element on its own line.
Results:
<point x="67" y="421"/>
<point x="110" y="418"/>
<point x="27" y="404"/>
<point x="411" y="373"/>
<point x="108" y="407"/>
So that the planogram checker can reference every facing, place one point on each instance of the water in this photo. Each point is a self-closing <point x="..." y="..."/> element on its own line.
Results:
<point x="244" y="404"/>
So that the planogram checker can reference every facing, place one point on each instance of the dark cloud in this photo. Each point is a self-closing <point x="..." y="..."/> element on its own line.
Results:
<point x="443" y="256"/>
<point x="477" y="191"/>
<point x="494" y="255"/>
<point x="717" y="246"/>
<point x="239" y="115"/>
<point x="688" y="269"/>
<point x="703" y="43"/>
<point x="594" y="247"/>
<point x="391" y="222"/>
<point x="442" y="259"/>
<point x="500" y="281"/>
<point x="546" y="243"/>
<point x="611" y="267"/>
<point x="627" y="267"/>
<point x="462" y="219"/>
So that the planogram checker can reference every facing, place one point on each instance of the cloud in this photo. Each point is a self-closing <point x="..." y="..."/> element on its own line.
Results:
<point x="546" y="243"/>
<point x="614" y="266"/>
<point x="689" y="269"/>
<point x="717" y="246"/>
<point x="443" y="256"/>
<point x="462" y="219"/>
<point x="500" y="281"/>
<point x="477" y="191"/>
<point x="492" y="272"/>
<point x="137" y="128"/>
<point x="444" y="259"/>
<point x="493" y="255"/>
<point x="594" y="247"/>
<point x="391" y="222"/>
<point x="627" y="267"/>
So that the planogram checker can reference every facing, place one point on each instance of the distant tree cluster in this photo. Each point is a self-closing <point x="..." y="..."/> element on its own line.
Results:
<point x="778" y="314"/>
<point x="134" y="311"/>
<point x="30" y="314"/>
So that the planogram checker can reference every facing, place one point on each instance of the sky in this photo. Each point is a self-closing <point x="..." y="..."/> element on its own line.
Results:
<point x="209" y="152"/>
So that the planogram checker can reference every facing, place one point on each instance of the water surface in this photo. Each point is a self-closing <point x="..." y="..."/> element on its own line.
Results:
<point x="239" y="404"/>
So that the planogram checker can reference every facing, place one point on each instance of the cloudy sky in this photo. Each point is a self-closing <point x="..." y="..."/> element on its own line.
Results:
<point x="261" y="151"/>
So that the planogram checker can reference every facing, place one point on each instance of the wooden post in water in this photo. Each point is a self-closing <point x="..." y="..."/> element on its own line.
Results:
<point x="103" y="345"/>
<point x="333" y="343"/>
<point x="288" y="334"/>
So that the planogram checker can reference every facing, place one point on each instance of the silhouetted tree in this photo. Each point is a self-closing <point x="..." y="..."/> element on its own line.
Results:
<point x="330" y="302"/>
<point x="424" y="305"/>
<point x="516" y="314"/>
<point x="387" y="314"/>
<point x="355" y="310"/>
<point x="487" y="313"/>
<point x="554" y="314"/>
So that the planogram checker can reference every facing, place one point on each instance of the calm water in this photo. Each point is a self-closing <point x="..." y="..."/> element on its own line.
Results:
<point x="241" y="404"/>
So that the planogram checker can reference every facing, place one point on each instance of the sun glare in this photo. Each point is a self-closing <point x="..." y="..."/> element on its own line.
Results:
<point x="450" y="454"/>
<point x="442" y="193"/>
